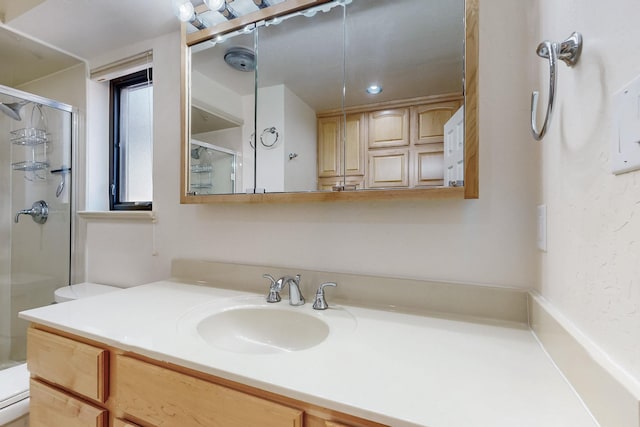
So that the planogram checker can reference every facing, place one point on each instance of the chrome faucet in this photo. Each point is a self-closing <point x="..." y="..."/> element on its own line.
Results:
<point x="320" y="303"/>
<point x="295" y="296"/>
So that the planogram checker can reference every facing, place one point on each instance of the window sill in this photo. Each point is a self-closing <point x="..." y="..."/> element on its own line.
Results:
<point x="128" y="216"/>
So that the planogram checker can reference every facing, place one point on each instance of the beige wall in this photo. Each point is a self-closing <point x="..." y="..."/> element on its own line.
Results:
<point x="591" y="271"/>
<point x="490" y="240"/>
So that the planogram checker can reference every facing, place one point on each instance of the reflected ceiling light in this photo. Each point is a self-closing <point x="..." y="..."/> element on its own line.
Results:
<point x="374" y="89"/>
<point x="185" y="12"/>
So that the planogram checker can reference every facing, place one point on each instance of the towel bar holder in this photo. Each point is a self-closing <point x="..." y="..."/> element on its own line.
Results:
<point x="568" y="51"/>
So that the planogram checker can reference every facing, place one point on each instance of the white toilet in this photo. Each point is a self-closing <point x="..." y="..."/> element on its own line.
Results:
<point x="81" y="290"/>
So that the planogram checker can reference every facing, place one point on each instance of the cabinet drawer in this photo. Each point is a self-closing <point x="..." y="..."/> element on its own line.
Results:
<point x="159" y="396"/>
<point x="49" y="407"/>
<point x="70" y="364"/>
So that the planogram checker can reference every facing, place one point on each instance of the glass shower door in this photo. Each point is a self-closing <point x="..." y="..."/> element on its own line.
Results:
<point x="35" y="210"/>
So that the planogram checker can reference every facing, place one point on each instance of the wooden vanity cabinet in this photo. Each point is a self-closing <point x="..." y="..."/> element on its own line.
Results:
<point x="144" y="391"/>
<point x="79" y="383"/>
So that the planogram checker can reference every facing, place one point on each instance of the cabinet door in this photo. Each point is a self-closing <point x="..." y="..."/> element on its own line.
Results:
<point x="70" y="364"/>
<point x="388" y="168"/>
<point x="389" y="128"/>
<point x="329" y="146"/>
<point x="123" y="423"/>
<point x="427" y="121"/>
<point x="354" y="160"/>
<point x="49" y="407"/>
<point x="160" y="396"/>
<point x="427" y="166"/>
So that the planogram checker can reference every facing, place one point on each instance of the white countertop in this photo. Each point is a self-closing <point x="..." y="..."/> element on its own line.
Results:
<point x="397" y="369"/>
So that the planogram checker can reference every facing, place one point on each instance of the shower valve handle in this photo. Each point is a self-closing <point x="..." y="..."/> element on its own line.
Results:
<point x="39" y="212"/>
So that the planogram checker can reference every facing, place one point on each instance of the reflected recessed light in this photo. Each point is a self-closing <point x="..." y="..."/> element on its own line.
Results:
<point x="374" y="89"/>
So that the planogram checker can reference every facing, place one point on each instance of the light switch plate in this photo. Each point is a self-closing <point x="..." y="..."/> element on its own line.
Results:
<point x="626" y="128"/>
<point x="542" y="228"/>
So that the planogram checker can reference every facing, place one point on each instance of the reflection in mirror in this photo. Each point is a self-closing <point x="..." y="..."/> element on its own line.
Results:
<point x="319" y="123"/>
<point x="222" y="115"/>
<point x="404" y="82"/>
<point x="300" y="73"/>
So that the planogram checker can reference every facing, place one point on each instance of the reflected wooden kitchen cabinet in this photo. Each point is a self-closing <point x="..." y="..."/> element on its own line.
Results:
<point x="427" y="121"/>
<point x="389" y="128"/>
<point x="427" y="166"/>
<point x="334" y="158"/>
<point x="328" y="146"/>
<point x="388" y="168"/>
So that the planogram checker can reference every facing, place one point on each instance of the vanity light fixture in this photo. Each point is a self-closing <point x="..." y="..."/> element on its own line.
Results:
<point x="185" y="12"/>
<point x="222" y="7"/>
<point x="262" y="3"/>
<point x="374" y="89"/>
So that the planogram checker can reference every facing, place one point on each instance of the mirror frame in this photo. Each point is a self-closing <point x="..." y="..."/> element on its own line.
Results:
<point x="470" y="190"/>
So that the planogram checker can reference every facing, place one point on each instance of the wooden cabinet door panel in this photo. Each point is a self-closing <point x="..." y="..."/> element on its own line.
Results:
<point x="428" y="167"/>
<point x="49" y="407"/>
<point x="427" y="121"/>
<point x="329" y="146"/>
<point x="388" y="168"/>
<point x="166" y="398"/>
<point x="354" y="160"/>
<point x="70" y="364"/>
<point x="389" y="128"/>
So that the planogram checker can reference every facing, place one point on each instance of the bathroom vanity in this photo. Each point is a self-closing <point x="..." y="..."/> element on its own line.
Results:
<point x="79" y="382"/>
<point x="151" y="356"/>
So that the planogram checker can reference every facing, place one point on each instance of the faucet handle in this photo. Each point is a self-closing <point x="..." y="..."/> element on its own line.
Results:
<point x="320" y="303"/>
<point x="274" y="288"/>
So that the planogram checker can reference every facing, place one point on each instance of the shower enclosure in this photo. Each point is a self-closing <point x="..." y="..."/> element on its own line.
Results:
<point x="36" y="138"/>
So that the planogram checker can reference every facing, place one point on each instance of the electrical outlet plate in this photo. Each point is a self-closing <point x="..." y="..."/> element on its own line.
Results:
<point x="626" y="128"/>
<point x="542" y="228"/>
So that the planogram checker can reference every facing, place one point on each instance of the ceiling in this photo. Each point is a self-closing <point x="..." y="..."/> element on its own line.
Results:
<point x="383" y="37"/>
<point x="410" y="47"/>
<point x="89" y="28"/>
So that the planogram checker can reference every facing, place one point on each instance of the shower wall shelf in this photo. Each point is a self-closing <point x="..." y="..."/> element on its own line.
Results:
<point x="201" y="168"/>
<point x="29" y="136"/>
<point x="29" y="166"/>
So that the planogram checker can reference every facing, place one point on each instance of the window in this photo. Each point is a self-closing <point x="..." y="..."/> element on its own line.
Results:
<point x="131" y="137"/>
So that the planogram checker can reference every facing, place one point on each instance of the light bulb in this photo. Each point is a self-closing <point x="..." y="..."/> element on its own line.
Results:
<point x="374" y="89"/>
<point x="183" y="9"/>
<point x="215" y="5"/>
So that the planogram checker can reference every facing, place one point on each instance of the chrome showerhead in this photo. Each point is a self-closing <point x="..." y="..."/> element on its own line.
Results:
<point x="13" y="110"/>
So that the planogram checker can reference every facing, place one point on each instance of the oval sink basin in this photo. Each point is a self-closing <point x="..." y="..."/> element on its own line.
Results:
<point x="260" y="330"/>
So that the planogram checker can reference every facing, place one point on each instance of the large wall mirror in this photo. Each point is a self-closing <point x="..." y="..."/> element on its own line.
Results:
<point x="333" y="100"/>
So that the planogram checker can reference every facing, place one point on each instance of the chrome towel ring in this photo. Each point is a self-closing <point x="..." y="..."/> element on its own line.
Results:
<point x="567" y="51"/>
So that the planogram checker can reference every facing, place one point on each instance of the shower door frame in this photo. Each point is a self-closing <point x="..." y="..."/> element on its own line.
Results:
<point x="37" y="99"/>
